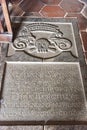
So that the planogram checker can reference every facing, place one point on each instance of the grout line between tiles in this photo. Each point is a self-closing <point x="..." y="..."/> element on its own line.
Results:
<point x="60" y="3"/>
<point x="42" y="9"/>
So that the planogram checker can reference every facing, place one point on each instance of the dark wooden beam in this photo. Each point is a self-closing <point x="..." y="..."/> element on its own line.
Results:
<point x="5" y="36"/>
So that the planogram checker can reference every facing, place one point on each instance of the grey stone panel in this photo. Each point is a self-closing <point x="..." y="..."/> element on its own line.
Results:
<point x="76" y="95"/>
<point x="45" y="39"/>
<point x="21" y="127"/>
<point x="43" y="92"/>
<point x="65" y="127"/>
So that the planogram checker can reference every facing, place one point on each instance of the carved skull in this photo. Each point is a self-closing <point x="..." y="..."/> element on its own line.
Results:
<point x="42" y="45"/>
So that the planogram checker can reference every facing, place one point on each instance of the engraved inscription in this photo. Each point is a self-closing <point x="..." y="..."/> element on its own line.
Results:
<point x="43" y="91"/>
<point x="43" y="40"/>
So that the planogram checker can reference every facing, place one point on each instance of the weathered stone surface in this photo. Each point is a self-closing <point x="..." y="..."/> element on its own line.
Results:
<point x="45" y="40"/>
<point x="43" y="91"/>
<point x="21" y="127"/>
<point x="22" y="85"/>
<point x="66" y="127"/>
<point x="50" y="127"/>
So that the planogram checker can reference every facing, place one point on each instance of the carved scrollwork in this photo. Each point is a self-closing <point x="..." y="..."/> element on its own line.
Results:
<point x="64" y="44"/>
<point x="20" y="43"/>
<point x="42" y="40"/>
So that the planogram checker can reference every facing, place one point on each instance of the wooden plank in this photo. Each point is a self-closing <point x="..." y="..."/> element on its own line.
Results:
<point x="6" y="15"/>
<point x="1" y="28"/>
<point x="5" y="37"/>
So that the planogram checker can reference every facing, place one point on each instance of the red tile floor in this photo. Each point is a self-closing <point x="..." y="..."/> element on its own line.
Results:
<point x="55" y="8"/>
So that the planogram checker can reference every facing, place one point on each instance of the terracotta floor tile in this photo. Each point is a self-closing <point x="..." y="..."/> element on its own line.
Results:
<point x="84" y="12"/>
<point x="72" y="5"/>
<point x="53" y="11"/>
<point x="84" y="38"/>
<point x="82" y="21"/>
<point x="16" y="11"/>
<point x="51" y="1"/>
<point x="32" y="6"/>
<point x="15" y="1"/>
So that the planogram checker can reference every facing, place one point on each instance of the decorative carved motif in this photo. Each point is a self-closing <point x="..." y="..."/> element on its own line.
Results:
<point x="42" y="40"/>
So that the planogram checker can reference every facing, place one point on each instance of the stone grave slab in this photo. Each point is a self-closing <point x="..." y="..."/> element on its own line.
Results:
<point x="43" y="92"/>
<point x="43" y="73"/>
